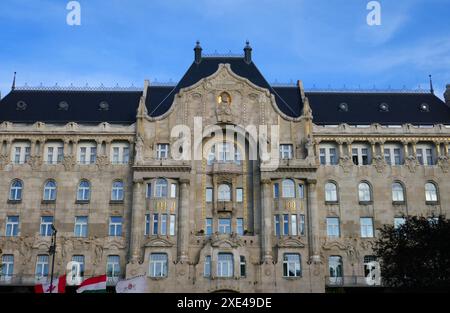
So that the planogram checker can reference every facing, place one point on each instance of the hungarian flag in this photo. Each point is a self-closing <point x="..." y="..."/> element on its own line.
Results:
<point x="133" y="285"/>
<point x="94" y="284"/>
<point x="58" y="286"/>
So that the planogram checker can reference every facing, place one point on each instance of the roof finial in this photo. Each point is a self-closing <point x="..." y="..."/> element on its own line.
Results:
<point x="14" y="82"/>
<point x="248" y="53"/>
<point x="198" y="52"/>
<point x="431" y="84"/>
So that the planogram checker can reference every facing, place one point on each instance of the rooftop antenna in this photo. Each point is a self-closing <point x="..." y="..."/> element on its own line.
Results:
<point x="431" y="84"/>
<point x="13" y="87"/>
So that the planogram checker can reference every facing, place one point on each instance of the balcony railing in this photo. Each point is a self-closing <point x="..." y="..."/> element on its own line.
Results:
<point x="31" y="280"/>
<point x="352" y="281"/>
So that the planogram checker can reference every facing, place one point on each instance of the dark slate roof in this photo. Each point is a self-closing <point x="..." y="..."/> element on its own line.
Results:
<point x="363" y="107"/>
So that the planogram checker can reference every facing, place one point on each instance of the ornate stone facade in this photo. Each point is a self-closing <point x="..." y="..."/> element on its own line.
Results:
<point x="182" y="226"/>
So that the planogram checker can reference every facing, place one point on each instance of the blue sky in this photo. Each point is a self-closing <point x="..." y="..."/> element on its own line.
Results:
<point x="322" y="42"/>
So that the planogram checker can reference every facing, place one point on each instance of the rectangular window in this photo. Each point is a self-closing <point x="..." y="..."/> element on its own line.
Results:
<point x="93" y="156"/>
<point x="172" y="225"/>
<point x="240" y="226"/>
<point x="286" y="152"/>
<point x="335" y="269"/>
<point x="225" y="265"/>
<point x="158" y="265"/>
<point x="12" y="226"/>
<point x="113" y="267"/>
<point x="239" y="195"/>
<point x="419" y="154"/>
<point x="387" y="156"/>
<point x="355" y="157"/>
<point x="365" y="156"/>
<point x="155" y="224"/>
<point x="209" y="195"/>
<point x="243" y="266"/>
<point x="429" y="154"/>
<point x="224" y="226"/>
<point x="27" y="153"/>
<point x="291" y="265"/>
<point x="115" y="226"/>
<point x="125" y="155"/>
<point x="294" y="226"/>
<point x="207" y="266"/>
<point x="209" y="226"/>
<point x="366" y="227"/>
<point x="397" y="156"/>
<point x="399" y="221"/>
<point x="173" y="190"/>
<point x="302" y="225"/>
<point x="286" y="225"/>
<point x="46" y="226"/>
<point x="333" y="227"/>
<point x="148" y="192"/>
<point x="41" y="266"/>
<point x="301" y="191"/>
<point x="83" y="155"/>
<point x="17" y="155"/>
<point x="276" y="191"/>
<point x="163" y="224"/>
<point x="333" y="156"/>
<point x="277" y="225"/>
<point x="7" y="268"/>
<point x="50" y="155"/>
<point x="116" y="155"/>
<point x="80" y="260"/>
<point x="147" y="225"/>
<point x="81" y="226"/>
<point x="323" y="156"/>
<point x="60" y="156"/>
<point x="162" y="151"/>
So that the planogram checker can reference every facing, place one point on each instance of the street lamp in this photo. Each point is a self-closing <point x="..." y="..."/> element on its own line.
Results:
<point x="52" y="251"/>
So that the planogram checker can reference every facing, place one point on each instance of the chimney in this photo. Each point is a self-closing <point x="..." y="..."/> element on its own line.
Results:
<point x="447" y="95"/>
<point x="198" y="53"/>
<point x="248" y="53"/>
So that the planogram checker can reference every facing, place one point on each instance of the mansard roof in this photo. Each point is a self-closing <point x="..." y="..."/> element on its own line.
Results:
<point x="84" y="106"/>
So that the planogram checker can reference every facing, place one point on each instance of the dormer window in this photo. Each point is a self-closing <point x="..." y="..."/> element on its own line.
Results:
<point x="21" y="105"/>
<point x="103" y="106"/>
<point x="384" y="107"/>
<point x="343" y="107"/>
<point x="63" y="106"/>
<point x="424" y="107"/>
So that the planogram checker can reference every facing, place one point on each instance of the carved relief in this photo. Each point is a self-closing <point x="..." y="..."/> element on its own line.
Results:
<point x="3" y="161"/>
<point x="102" y="162"/>
<point x="444" y="164"/>
<point x="69" y="162"/>
<point x="139" y="150"/>
<point x="346" y="163"/>
<point x="411" y="163"/>
<point x="379" y="163"/>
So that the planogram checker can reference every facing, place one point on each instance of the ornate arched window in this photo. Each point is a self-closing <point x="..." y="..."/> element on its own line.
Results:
<point x="431" y="193"/>
<point x="288" y="188"/>
<point x="15" y="191"/>
<point x="364" y="192"/>
<point x="50" y="190"/>
<point x="331" y="192"/>
<point x="117" y="191"/>
<point x="224" y="193"/>
<point x="84" y="191"/>
<point x="161" y="188"/>
<point x="398" y="192"/>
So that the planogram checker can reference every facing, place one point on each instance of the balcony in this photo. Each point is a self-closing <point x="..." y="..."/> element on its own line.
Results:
<point x="226" y="167"/>
<point x="223" y="206"/>
<point x="352" y="281"/>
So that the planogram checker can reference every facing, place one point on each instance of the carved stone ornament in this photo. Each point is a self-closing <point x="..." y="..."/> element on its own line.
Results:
<point x="35" y="162"/>
<point x="379" y="163"/>
<point x="3" y="161"/>
<point x="139" y="149"/>
<point x="346" y="163"/>
<point x="69" y="162"/>
<point x="223" y="109"/>
<point x="444" y="163"/>
<point x="102" y="162"/>
<point x="411" y="163"/>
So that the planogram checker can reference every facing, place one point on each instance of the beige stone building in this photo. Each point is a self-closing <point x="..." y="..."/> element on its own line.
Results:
<point x="142" y="182"/>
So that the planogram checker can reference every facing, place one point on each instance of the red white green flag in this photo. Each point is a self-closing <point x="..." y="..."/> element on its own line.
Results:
<point x="93" y="284"/>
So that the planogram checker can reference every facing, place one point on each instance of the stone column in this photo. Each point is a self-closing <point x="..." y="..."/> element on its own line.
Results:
<point x="446" y="149"/>
<point x="183" y="221"/>
<point x="438" y="149"/>
<point x="405" y="149"/>
<point x="266" y="220"/>
<point x="313" y="221"/>
<point x="137" y="221"/>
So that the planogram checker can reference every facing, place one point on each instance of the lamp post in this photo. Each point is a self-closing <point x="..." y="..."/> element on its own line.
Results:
<point x="52" y="251"/>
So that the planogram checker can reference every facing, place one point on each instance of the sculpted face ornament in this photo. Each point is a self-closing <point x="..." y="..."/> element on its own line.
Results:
<point x="224" y="98"/>
<point x="224" y="107"/>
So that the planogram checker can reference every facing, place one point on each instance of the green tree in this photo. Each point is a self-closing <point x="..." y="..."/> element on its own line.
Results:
<point x="416" y="255"/>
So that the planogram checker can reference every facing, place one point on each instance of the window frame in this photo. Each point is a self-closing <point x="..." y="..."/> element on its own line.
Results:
<point x="334" y="197"/>
<point x="163" y="263"/>
<point x="288" y="263"/>
<point x="51" y="191"/>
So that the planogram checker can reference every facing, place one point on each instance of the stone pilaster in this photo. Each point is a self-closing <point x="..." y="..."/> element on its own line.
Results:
<point x="313" y="222"/>
<point x="266" y="220"/>
<point x="137" y="221"/>
<point x="183" y="221"/>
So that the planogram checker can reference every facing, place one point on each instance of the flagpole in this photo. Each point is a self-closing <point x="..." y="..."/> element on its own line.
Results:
<point x="52" y="251"/>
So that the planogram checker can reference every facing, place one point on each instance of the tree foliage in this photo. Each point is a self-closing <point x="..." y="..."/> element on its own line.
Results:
<point x="416" y="255"/>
